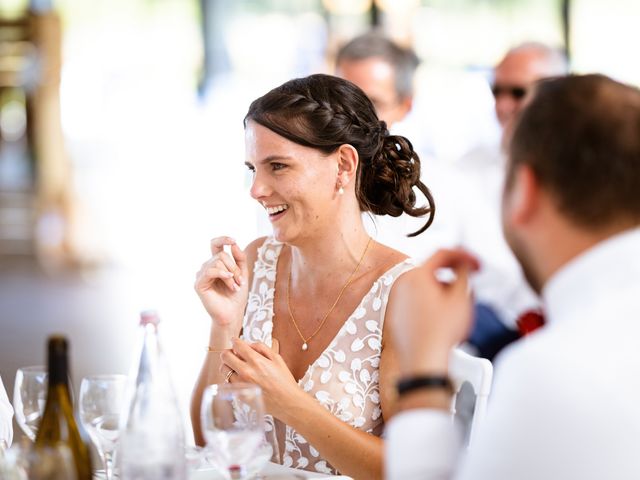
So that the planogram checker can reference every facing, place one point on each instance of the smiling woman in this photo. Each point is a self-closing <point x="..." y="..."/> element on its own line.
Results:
<point x="311" y="300"/>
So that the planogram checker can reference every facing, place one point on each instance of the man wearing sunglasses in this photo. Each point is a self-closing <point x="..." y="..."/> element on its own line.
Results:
<point x="504" y="299"/>
<point x="520" y="68"/>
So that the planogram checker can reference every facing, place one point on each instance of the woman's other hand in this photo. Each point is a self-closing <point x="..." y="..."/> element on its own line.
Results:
<point x="221" y="284"/>
<point x="258" y="364"/>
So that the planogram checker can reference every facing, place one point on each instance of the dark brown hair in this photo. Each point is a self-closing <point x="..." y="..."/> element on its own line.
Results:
<point x="325" y="112"/>
<point x="581" y="137"/>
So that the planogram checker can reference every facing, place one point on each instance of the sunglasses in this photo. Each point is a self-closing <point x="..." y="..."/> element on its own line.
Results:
<point x="517" y="93"/>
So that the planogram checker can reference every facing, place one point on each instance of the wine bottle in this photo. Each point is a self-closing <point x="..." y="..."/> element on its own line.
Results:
<point x="58" y="425"/>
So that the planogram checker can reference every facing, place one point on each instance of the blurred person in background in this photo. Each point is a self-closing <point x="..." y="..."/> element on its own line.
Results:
<point x="310" y="301"/>
<point x="385" y="71"/>
<point x="472" y="202"/>
<point x="518" y="72"/>
<point x="564" y="402"/>
<point x="6" y="417"/>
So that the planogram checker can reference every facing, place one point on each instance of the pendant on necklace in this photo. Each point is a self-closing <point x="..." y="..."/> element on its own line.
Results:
<point x="305" y="347"/>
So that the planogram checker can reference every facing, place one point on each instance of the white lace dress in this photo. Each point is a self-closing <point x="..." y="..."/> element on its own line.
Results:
<point x="345" y="377"/>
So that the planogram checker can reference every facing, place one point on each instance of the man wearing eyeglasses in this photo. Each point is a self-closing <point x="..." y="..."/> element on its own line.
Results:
<point x="6" y="415"/>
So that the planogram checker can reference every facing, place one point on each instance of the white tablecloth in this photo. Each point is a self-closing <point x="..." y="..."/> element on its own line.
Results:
<point x="271" y="470"/>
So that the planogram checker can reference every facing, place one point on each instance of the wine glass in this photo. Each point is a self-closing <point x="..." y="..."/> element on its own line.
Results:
<point x="29" y="398"/>
<point x="25" y="461"/>
<point x="233" y="423"/>
<point x="101" y="404"/>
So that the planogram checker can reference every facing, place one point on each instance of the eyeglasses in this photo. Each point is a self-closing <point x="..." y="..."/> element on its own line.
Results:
<point x="517" y="93"/>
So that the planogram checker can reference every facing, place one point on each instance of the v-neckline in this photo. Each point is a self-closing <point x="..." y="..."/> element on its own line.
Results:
<point x="311" y="367"/>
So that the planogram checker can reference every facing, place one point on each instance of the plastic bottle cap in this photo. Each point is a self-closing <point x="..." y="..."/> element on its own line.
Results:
<point x="149" y="317"/>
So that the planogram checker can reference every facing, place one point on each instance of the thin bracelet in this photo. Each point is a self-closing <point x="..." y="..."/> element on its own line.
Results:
<point x="213" y="350"/>
<point x="424" y="381"/>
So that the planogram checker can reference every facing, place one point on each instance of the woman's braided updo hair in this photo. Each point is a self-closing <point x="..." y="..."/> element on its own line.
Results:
<point x="325" y="112"/>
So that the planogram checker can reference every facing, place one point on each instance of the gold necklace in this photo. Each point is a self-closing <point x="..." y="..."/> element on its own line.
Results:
<point x="305" y="341"/>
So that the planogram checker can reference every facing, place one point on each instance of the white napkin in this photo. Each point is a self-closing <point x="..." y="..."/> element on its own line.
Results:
<point x="6" y="416"/>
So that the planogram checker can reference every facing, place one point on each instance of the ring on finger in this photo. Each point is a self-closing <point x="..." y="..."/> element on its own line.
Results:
<point x="227" y="378"/>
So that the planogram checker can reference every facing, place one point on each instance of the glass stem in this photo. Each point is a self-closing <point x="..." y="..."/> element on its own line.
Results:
<point x="108" y="465"/>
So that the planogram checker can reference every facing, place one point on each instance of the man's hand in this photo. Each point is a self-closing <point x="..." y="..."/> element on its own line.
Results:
<point x="431" y="314"/>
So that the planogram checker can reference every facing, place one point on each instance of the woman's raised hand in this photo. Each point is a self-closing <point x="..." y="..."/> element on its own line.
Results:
<point x="222" y="282"/>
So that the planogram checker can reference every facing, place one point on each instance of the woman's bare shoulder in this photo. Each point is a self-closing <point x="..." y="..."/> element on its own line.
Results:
<point x="252" y="247"/>
<point x="406" y="284"/>
<point x="251" y="250"/>
<point x="389" y="257"/>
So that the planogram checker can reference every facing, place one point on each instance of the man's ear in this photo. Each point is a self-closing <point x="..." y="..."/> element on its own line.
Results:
<point x="522" y="195"/>
<point x="347" y="163"/>
<point x="406" y="104"/>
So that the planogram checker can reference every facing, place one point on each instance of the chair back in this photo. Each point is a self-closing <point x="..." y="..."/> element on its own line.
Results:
<point x="478" y="372"/>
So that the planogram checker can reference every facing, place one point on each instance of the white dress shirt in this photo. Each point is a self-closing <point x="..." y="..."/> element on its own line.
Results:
<point x="565" y="399"/>
<point x="475" y="196"/>
<point x="6" y="416"/>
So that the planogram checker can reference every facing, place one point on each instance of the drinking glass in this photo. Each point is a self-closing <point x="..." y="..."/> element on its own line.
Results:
<point x="25" y="461"/>
<point x="101" y="404"/>
<point x="233" y="423"/>
<point x="29" y="398"/>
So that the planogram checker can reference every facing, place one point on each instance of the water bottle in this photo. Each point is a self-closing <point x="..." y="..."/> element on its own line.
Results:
<point x="152" y="438"/>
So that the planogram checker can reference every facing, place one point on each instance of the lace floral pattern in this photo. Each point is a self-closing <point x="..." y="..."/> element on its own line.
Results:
<point x="345" y="377"/>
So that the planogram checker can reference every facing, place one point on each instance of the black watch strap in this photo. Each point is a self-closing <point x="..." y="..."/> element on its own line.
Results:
<point x="406" y="385"/>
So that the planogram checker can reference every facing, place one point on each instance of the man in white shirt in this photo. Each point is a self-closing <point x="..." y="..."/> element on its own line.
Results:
<point x="564" y="402"/>
<point x="6" y="415"/>
<point x="472" y="201"/>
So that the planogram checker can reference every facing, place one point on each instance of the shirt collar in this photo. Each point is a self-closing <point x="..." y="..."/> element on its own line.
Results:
<point x="612" y="265"/>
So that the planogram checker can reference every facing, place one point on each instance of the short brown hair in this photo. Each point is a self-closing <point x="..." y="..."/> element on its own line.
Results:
<point x="581" y="137"/>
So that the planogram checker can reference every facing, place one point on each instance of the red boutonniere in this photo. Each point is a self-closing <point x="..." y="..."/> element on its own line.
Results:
<point x="529" y="321"/>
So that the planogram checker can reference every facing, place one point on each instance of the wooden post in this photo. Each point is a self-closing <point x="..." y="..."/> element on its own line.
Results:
<point x="54" y="180"/>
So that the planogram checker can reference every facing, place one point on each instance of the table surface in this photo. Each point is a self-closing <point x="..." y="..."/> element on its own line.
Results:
<point x="272" y="471"/>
